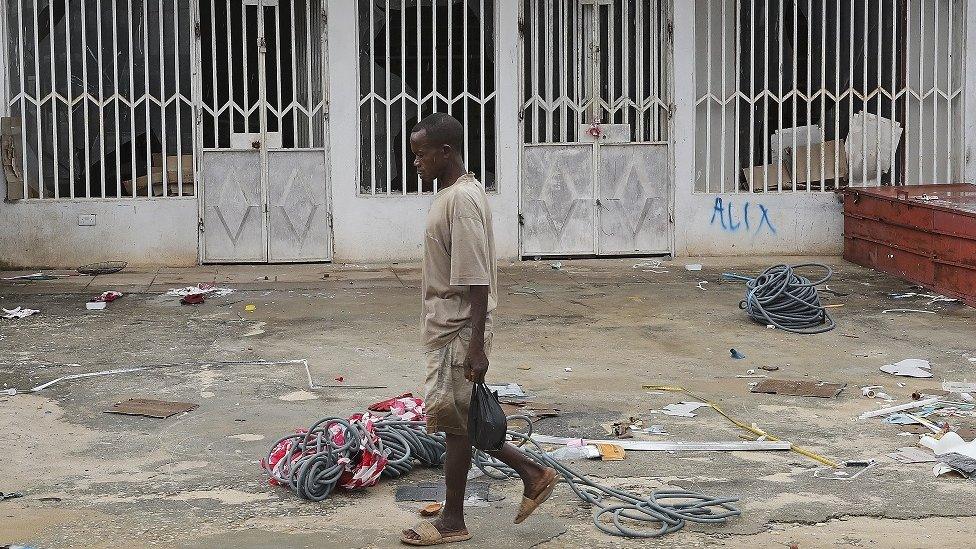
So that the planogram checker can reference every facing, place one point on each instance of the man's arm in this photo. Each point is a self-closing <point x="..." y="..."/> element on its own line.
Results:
<point x="476" y="363"/>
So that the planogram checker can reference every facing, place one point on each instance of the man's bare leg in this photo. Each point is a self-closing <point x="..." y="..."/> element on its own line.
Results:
<point x="531" y="473"/>
<point x="456" y="465"/>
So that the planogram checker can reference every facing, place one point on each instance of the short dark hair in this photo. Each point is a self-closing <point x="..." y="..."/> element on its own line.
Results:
<point x="442" y="129"/>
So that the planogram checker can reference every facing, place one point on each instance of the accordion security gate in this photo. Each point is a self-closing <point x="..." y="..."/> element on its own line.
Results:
<point x="595" y="165"/>
<point x="814" y="95"/>
<point x="163" y="99"/>
<point x="262" y="127"/>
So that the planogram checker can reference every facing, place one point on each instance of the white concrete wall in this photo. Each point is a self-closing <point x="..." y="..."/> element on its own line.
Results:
<point x="38" y="233"/>
<point x="380" y="228"/>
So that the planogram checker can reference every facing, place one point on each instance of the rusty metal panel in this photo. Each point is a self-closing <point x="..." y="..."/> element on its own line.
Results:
<point x="924" y="234"/>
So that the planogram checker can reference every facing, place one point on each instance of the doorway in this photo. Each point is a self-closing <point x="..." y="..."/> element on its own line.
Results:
<point x="264" y="193"/>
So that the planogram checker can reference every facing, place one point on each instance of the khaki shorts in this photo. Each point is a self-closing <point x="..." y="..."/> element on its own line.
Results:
<point x="448" y="391"/>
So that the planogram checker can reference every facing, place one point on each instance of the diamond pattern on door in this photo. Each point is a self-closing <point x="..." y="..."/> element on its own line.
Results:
<point x="633" y="194"/>
<point x="232" y="206"/>
<point x="557" y="204"/>
<point x="298" y="219"/>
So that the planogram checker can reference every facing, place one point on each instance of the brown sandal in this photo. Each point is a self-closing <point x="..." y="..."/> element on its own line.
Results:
<point x="529" y="505"/>
<point x="430" y="535"/>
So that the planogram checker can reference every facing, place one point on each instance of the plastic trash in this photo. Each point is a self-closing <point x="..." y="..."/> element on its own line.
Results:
<point x="570" y="453"/>
<point x="486" y="420"/>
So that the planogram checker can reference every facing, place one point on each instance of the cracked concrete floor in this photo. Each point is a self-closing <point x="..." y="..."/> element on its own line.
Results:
<point x="92" y="479"/>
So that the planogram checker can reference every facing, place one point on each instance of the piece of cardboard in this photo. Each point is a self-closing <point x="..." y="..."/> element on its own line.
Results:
<point x="611" y="452"/>
<point x="173" y="165"/>
<point x="799" y="388"/>
<point x="827" y="161"/>
<point x="761" y="178"/>
<point x="150" y="408"/>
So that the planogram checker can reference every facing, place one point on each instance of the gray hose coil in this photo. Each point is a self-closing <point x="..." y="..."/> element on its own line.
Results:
<point x="315" y="475"/>
<point x="784" y="299"/>
<point x="668" y="510"/>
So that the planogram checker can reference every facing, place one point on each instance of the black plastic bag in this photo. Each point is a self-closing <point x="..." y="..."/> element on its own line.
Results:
<point x="486" y="420"/>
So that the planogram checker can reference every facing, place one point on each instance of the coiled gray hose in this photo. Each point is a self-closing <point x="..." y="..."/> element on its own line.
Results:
<point x="784" y="299"/>
<point x="316" y="472"/>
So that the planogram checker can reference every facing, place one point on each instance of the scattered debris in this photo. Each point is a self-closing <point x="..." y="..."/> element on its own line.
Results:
<point x="736" y="354"/>
<point x="508" y="390"/>
<point x="656" y="267"/>
<point x="96" y="305"/>
<point x="799" y="388"/>
<point x="431" y="509"/>
<point x="108" y="296"/>
<point x="769" y="368"/>
<point x="193" y="299"/>
<point x="18" y="312"/>
<point x="37" y="276"/>
<point x="949" y="443"/>
<point x="10" y="495"/>
<point x="682" y="409"/>
<point x="958" y="387"/>
<point x="610" y="452"/>
<point x="752" y="428"/>
<point x="693" y="267"/>
<point x="901" y="407"/>
<point x="932" y="298"/>
<point x="962" y="464"/>
<point x="556" y="266"/>
<point x="849" y="470"/>
<point x="910" y="367"/>
<point x="907" y="311"/>
<point x="911" y="454"/>
<point x="621" y="429"/>
<point x="202" y="288"/>
<point x="874" y="391"/>
<point x="388" y="404"/>
<point x="160" y="409"/>
<point x="567" y="369"/>
<point x="666" y="446"/>
<point x="250" y="308"/>
<point x="102" y="268"/>
<point x="570" y="453"/>
<point x="701" y="284"/>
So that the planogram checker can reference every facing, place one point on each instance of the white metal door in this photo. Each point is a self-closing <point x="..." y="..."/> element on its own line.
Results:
<point x="595" y="176"/>
<point x="557" y="204"/>
<point x="233" y="207"/>
<point x="263" y="130"/>
<point x="633" y="199"/>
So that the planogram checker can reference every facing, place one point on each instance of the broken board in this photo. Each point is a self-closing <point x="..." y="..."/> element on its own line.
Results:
<point x="799" y="388"/>
<point x="161" y="409"/>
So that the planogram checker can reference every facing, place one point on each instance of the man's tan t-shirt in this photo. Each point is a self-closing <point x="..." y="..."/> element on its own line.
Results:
<point x="459" y="251"/>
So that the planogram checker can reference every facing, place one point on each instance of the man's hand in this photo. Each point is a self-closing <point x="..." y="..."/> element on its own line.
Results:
<point x="476" y="364"/>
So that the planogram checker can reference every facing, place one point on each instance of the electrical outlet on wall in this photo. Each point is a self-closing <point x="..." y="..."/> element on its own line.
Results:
<point x="86" y="220"/>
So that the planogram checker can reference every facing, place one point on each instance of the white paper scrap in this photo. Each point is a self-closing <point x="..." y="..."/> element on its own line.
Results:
<point x="910" y="367"/>
<point x="682" y="409"/>
<point x="18" y="312"/>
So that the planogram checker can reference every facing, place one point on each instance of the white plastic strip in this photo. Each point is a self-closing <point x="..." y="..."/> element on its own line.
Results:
<point x="669" y="446"/>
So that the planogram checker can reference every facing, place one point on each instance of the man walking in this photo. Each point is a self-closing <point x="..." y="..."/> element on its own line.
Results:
<point x="459" y="295"/>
